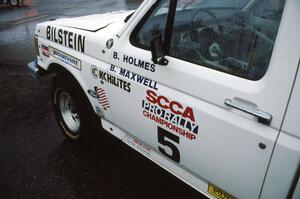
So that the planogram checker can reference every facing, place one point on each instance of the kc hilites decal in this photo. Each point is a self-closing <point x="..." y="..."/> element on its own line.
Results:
<point x="66" y="38"/>
<point x="134" y="77"/>
<point x="170" y="114"/>
<point x="115" y="81"/>
<point x="135" y="62"/>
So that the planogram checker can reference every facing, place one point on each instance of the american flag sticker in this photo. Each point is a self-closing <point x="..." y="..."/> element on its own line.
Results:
<point x="102" y="98"/>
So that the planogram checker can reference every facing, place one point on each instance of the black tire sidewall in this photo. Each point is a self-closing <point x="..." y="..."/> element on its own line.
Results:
<point x="66" y="131"/>
<point x="63" y="83"/>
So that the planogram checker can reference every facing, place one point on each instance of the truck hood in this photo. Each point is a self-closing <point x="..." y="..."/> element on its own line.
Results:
<point x="94" y="22"/>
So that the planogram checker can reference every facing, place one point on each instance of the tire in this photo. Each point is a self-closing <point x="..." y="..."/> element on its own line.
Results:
<point x="13" y="3"/>
<point x="72" y="110"/>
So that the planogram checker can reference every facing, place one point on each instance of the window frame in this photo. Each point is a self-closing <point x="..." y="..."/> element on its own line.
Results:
<point x="169" y="25"/>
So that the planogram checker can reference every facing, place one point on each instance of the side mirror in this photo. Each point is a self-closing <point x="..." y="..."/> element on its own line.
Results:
<point x="157" y="51"/>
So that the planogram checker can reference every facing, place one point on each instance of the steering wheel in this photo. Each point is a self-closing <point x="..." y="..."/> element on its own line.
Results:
<point x="201" y="22"/>
<point x="198" y="22"/>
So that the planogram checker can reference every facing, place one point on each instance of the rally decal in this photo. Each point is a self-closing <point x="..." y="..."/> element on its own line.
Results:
<point x="94" y="72"/>
<point x="136" y="144"/>
<point x="163" y="137"/>
<point x="135" y="62"/>
<point x="102" y="98"/>
<point x="115" y="81"/>
<point x="126" y="86"/>
<point x="99" y="111"/>
<point x="66" y="38"/>
<point x="64" y="57"/>
<point x="170" y="114"/>
<point x="93" y="93"/>
<point x="218" y="193"/>
<point x="45" y="50"/>
<point x="134" y="77"/>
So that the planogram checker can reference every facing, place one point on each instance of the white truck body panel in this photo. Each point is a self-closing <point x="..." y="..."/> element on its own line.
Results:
<point x="93" y="22"/>
<point x="291" y="120"/>
<point x="223" y="148"/>
<point x="283" y="168"/>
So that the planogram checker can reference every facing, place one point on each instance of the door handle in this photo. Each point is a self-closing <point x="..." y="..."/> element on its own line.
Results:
<point x="262" y="116"/>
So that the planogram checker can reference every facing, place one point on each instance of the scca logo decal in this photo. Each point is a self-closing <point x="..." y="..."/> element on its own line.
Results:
<point x="170" y="114"/>
<point x="175" y="107"/>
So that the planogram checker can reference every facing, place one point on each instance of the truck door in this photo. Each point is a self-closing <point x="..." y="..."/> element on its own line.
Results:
<point x="216" y="107"/>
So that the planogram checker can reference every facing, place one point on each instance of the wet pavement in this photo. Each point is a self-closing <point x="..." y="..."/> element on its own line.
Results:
<point x="35" y="160"/>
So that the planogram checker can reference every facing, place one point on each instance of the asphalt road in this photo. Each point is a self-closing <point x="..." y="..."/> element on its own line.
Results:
<point x="35" y="160"/>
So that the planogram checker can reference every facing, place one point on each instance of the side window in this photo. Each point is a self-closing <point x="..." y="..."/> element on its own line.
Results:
<point x="232" y="36"/>
<point x="154" y="25"/>
<point x="271" y="9"/>
<point x="236" y="38"/>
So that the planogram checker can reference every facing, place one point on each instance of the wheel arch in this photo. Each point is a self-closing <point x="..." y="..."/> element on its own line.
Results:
<point x="55" y="69"/>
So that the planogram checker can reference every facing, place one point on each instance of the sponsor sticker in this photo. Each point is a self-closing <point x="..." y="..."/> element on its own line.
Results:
<point x="93" y="93"/>
<point x="94" y="72"/>
<point x="45" y="50"/>
<point x="109" y="43"/>
<point x="218" y="193"/>
<point x="67" y="38"/>
<point x="117" y="82"/>
<point x="111" y="79"/>
<point x="99" y="111"/>
<point x="136" y="144"/>
<point x="64" y="57"/>
<point x="170" y="114"/>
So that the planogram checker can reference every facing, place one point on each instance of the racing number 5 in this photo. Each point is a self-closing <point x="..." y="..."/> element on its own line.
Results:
<point x="162" y="134"/>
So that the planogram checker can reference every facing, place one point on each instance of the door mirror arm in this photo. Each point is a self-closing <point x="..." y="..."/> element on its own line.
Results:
<point x="158" y="51"/>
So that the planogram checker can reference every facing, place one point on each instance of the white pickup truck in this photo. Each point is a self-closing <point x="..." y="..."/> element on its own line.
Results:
<point x="207" y="89"/>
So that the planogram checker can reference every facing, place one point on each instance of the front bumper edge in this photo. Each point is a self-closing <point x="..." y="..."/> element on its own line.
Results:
<point x="35" y="70"/>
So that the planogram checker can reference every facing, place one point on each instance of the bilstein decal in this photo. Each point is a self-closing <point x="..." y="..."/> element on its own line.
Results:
<point x="66" y="38"/>
<point x="135" y="62"/>
<point x="170" y="114"/>
<point x="134" y="77"/>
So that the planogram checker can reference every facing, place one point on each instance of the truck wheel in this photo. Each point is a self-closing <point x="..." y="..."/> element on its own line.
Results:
<point x="72" y="108"/>
<point x="14" y="2"/>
